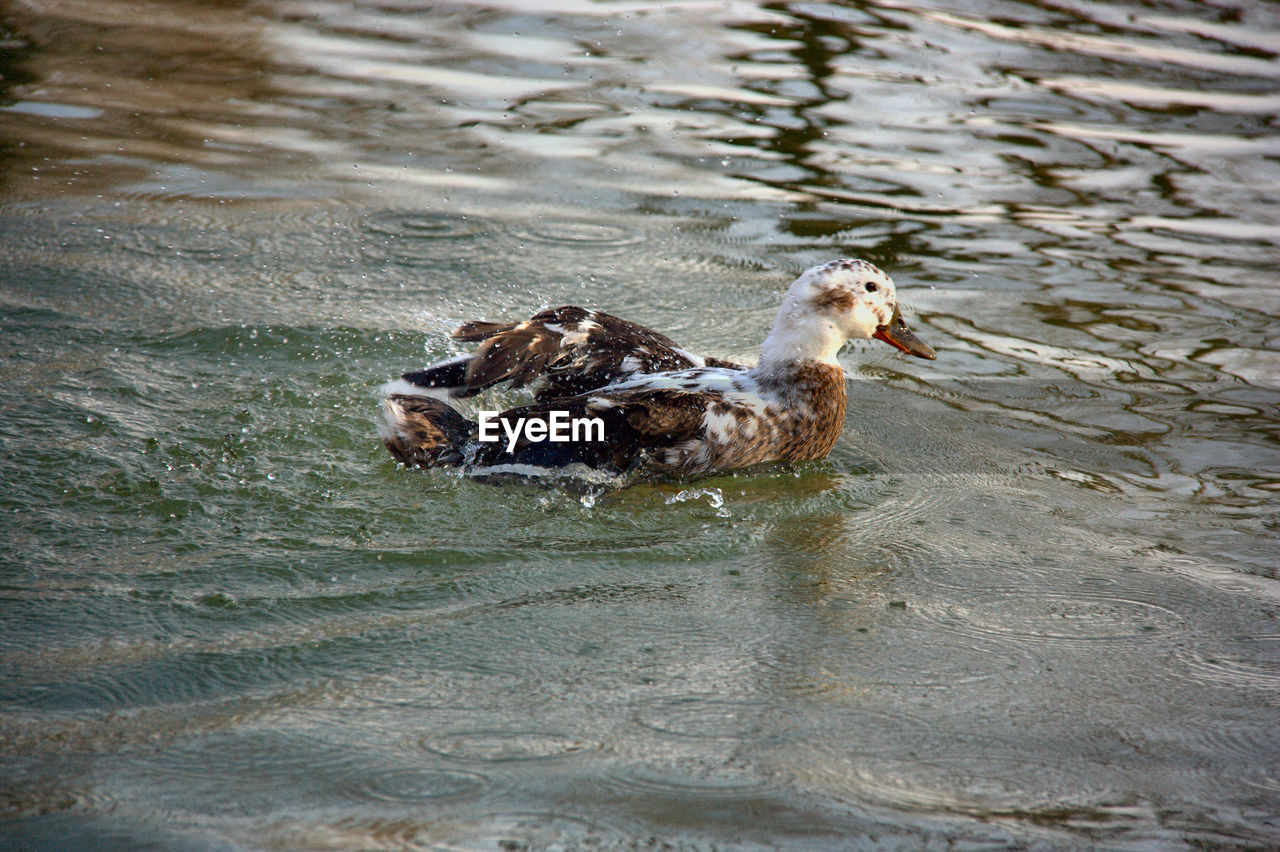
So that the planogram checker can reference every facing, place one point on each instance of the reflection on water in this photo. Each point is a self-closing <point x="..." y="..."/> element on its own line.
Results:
<point x="1030" y="598"/>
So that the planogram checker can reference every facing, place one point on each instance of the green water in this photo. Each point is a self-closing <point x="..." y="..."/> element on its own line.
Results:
<point x="1029" y="601"/>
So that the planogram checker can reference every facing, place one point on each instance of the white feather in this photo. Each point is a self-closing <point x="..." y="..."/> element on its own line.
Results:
<point x="400" y="387"/>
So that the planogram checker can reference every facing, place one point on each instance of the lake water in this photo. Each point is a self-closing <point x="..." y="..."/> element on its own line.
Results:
<point x="1029" y="601"/>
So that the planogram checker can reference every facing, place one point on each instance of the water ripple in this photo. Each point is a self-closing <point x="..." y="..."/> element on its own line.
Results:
<point x="986" y="785"/>
<point x="39" y="797"/>
<point x="693" y="783"/>
<point x="1233" y="666"/>
<point x="417" y="225"/>
<point x="1128" y="49"/>
<point x="889" y="660"/>
<point x="598" y="238"/>
<point x="415" y="239"/>
<point x="503" y="831"/>
<point x="500" y="746"/>
<point x="414" y="785"/>
<point x="1059" y="617"/>
<point x="700" y="717"/>
<point x="1029" y="599"/>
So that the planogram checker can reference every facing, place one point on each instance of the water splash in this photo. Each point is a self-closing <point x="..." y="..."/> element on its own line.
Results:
<point x="715" y="499"/>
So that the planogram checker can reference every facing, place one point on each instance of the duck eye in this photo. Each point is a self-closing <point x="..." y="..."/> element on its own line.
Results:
<point x="871" y="286"/>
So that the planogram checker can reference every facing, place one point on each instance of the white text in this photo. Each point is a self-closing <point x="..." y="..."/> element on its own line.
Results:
<point x="558" y="427"/>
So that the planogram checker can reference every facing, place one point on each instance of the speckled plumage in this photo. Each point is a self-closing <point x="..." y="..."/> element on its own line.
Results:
<point x="665" y="410"/>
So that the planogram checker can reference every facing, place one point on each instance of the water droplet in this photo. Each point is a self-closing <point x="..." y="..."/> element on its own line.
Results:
<point x="715" y="499"/>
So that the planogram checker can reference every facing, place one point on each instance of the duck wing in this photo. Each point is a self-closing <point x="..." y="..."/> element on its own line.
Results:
<point x="635" y="427"/>
<point x="570" y="350"/>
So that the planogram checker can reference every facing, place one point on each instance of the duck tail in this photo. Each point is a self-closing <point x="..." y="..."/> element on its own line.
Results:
<point x="424" y="431"/>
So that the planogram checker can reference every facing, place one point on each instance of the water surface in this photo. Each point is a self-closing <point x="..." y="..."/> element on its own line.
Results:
<point x="1030" y="600"/>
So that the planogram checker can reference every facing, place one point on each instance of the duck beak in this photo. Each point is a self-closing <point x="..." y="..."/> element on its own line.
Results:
<point x="897" y="335"/>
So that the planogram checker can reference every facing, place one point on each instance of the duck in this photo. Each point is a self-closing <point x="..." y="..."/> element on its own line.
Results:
<point x="645" y="404"/>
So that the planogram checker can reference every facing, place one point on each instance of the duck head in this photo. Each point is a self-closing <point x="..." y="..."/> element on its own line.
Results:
<point x="834" y="303"/>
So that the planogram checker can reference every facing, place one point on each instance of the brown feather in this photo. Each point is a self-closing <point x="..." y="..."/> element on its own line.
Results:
<point x="518" y="354"/>
<point x="664" y="415"/>
<point x="481" y="330"/>
<point x="427" y="431"/>
<point x="525" y="352"/>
